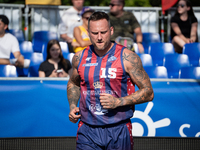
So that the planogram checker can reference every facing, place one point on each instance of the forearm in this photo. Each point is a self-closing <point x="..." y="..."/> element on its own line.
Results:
<point x="4" y="61"/>
<point x="139" y="37"/>
<point x="85" y="43"/>
<point x="66" y="38"/>
<point x="140" y="96"/>
<point x="183" y="37"/>
<point x="73" y="94"/>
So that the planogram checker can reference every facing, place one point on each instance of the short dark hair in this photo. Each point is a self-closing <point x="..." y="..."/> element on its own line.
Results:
<point x="99" y="15"/>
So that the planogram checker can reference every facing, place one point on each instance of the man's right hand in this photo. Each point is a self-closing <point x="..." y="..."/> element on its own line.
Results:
<point x="74" y="115"/>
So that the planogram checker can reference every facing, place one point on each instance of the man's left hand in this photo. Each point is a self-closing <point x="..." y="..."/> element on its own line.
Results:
<point x="110" y="102"/>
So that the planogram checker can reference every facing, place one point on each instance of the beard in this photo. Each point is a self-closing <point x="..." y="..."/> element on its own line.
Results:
<point x="101" y="47"/>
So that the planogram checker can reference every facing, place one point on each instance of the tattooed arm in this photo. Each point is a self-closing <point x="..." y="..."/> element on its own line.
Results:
<point x="73" y="89"/>
<point x="134" y="68"/>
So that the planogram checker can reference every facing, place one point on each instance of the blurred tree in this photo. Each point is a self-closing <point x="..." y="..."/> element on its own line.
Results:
<point x="155" y="3"/>
<point x="13" y="1"/>
<point x="141" y="3"/>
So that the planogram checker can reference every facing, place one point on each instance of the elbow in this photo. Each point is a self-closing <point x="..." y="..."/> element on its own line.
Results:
<point x="151" y="95"/>
<point x="82" y="44"/>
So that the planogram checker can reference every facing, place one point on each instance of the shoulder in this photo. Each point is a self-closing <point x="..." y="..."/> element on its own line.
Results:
<point x="77" y="28"/>
<point x="194" y="19"/>
<point x="131" y="59"/>
<point x="71" y="9"/>
<point x="10" y="36"/>
<point x="44" y="63"/>
<point x="76" y="59"/>
<point x="12" y="39"/>
<point x="128" y="14"/>
<point x="175" y="18"/>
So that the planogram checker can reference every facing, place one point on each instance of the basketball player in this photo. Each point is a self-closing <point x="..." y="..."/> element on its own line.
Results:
<point x="104" y="75"/>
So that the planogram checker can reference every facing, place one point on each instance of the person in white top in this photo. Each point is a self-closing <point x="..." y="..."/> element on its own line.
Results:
<point x="70" y="19"/>
<point x="9" y="44"/>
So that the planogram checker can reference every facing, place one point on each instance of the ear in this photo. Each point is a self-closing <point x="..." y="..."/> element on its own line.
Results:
<point x="5" y="26"/>
<point x="111" y="30"/>
<point x="188" y="8"/>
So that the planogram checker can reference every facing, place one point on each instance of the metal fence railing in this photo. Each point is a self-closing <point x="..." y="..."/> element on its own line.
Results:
<point x="47" y="17"/>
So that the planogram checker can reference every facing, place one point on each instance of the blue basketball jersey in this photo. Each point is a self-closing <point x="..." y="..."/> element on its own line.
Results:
<point x="103" y="75"/>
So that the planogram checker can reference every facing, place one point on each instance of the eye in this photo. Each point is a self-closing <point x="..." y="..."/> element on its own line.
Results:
<point x="103" y="32"/>
<point x="95" y="33"/>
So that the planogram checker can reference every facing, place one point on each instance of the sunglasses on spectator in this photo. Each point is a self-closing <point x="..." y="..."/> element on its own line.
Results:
<point x="113" y="4"/>
<point x="181" y="5"/>
<point x="86" y="18"/>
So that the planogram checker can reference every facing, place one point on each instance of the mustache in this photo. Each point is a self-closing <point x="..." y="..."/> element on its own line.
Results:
<point x="99" y="40"/>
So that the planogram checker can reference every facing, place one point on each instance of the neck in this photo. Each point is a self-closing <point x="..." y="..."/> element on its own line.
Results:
<point x="85" y="26"/>
<point x="184" y="16"/>
<point x="120" y="14"/>
<point x="101" y="53"/>
<point x="54" y="60"/>
<point x="2" y="34"/>
<point x="78" y="9"/>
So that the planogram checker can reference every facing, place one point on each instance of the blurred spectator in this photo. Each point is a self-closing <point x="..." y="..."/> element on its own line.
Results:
<point x="125" y="23"/>
<point x="55" y="65"/>
<point x="70" y="19"/>
<point x="183" y="25"/>
<point x="81" y="39"/>
<point x="9" y="44"/>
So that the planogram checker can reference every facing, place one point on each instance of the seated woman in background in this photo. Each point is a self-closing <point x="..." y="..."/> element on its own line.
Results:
<point x="55" y="65"/>
<point x="81" y="39"/>
<point x="183" y="26"/>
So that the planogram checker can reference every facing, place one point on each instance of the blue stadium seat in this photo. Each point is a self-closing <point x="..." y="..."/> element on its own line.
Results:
<point x="149" y="38"/>
<point x="156" y="71"/>
<point x="26" y="50"/>
<point x="193" y="52"/>
<point x="174" y="62"/>
<point x="158" y="52"/>
<point x="8" y="71"/>
<point x="36" y="60"/>
<point x="44" y="51"/>
<point x="64" y="48"/>
<point x="18" y="34"/>
<point x="42" y="37"/>
<point x="69" y="57"/>
<point x="136" y="48"/>
<point x="146" y="60"/>
<point x="190" y="72"/>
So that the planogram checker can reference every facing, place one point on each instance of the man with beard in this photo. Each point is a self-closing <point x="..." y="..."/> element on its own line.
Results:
<point x="125" y="24"/>
<point x="103" y="78"/>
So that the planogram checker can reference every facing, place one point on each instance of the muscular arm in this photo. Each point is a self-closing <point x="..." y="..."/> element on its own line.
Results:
<point x="73" y="86"/>
<point x="134" y="68"/>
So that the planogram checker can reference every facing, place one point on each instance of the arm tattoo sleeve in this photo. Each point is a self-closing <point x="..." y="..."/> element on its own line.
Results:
<point x="140" y="78"/>
<point x="73" y="86"/>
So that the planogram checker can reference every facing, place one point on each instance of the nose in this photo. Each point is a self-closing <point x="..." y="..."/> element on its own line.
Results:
<point x="99" y="36"/>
